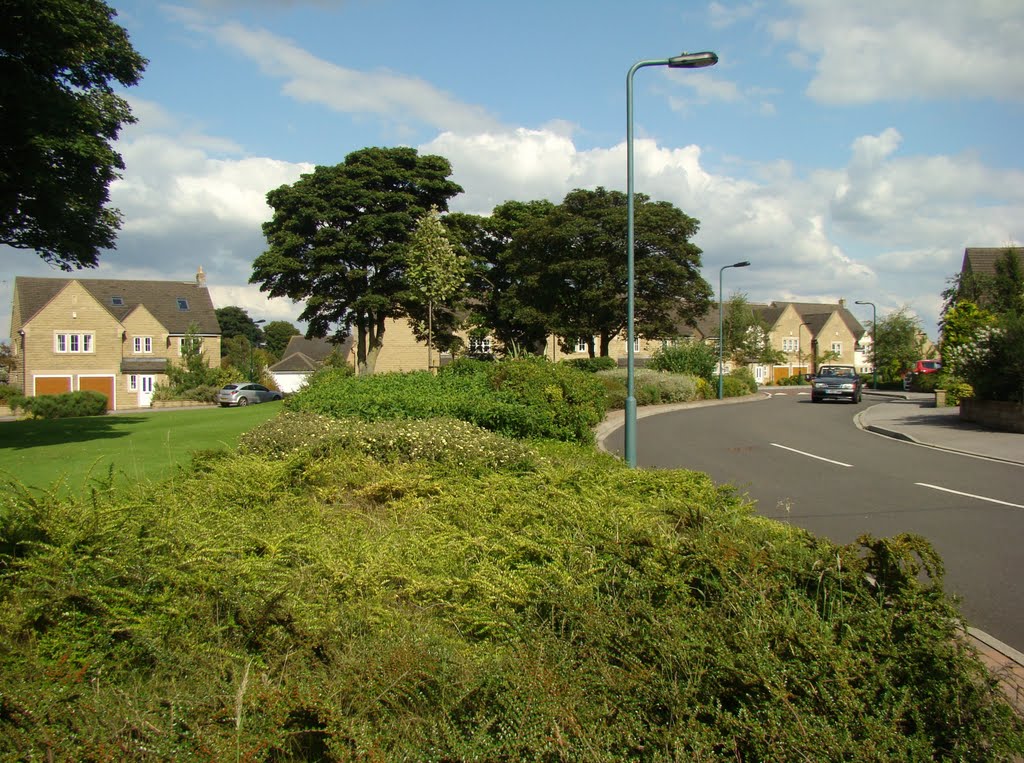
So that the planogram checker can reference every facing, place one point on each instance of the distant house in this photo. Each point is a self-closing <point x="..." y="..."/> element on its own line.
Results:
<point x="982" y="260"/>
<point x="806" y="331"/>
<point x="117" y="337"/>
<point x="302" y="357"/>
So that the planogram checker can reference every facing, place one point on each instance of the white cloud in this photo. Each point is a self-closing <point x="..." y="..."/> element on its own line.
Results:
<point x="877" y="50"/>
<point x="309" y="79"/>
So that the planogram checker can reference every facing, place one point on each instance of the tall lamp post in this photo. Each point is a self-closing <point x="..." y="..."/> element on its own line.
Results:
<point x="682" y="61"/>
<point x="721" y="338"/>
<point x="252" y="353"/>
<point x="874" y="347"/>
<point x="810" y="333"/>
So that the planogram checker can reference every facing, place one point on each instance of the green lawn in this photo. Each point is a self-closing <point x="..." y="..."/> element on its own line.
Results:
<point x="140" y="446"/>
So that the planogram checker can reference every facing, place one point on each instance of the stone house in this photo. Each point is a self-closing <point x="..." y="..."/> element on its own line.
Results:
<point x="113" y="336"/>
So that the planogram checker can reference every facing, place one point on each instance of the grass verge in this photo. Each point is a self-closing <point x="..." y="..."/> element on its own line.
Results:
<point x="136" y="447"/>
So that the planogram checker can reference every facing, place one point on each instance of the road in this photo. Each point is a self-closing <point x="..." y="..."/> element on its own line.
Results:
<point x="811" y="466"/>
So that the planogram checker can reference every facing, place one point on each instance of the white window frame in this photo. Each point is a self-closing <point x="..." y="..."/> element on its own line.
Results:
<point x="143" y="345"/>
<point x="181" y="345"/>
<point x="133" y="383"/>
<point x="790" y="344"/>
<point x="837" y="348"/>
<point x="73" y="343"/>
<point x="481" y="346"/>
<point x="581" y="345"/>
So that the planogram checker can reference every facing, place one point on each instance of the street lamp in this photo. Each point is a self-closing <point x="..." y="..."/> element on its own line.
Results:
<point x="721" y="338"/>
<point x="252" y="354"/>
<point x="682" y="61"/>
<point x="874" y="346"/>
<point x="798" y="353"/>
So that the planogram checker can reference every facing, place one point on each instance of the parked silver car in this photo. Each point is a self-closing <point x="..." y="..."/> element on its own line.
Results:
<point x="243" y="393"/>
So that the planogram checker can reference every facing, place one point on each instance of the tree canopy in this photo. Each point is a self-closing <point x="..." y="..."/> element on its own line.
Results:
<point x="59" y="117"/>
<point x="339" y="237"/>
<point x="562" y="269"/>
<point x="235" y="321"/>
<point x="899" y="343"/>
<point x="276" y="335"/>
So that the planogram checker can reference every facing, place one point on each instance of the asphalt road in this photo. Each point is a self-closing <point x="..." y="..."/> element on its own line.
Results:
<point x="811" y="466"/>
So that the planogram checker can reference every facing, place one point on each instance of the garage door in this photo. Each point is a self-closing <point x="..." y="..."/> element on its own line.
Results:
<point x="52" y="385"/>
<point x="104" y="384"/>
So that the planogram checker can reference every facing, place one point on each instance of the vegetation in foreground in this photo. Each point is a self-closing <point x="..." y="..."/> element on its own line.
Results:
<point x="380" y="588"/>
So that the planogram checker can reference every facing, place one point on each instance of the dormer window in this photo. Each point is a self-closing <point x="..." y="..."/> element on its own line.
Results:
<point x="117" y="301"/>
<point x="182" y="303"/>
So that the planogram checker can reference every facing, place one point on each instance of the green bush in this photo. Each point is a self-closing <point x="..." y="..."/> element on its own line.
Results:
<point x="746" y="376"/>
<point x="792" y="381"/>
<point x="591" y="365"/>
<point x="690" y="358"/>
<point x="345" y="603"/>
<point x="651" y="387"/>
<point x="733" y="386"/>
<point x="65" y="405"/>
<point x="525" y="398"/>
<point x="956" y="388"/>
<point x="7" y="392"/>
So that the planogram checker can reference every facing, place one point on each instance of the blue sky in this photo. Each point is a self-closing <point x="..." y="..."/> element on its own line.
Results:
<point x="847" y="149"/>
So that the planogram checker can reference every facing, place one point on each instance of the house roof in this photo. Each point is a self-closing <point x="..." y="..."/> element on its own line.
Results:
<point x="306" y="355"/>
<point x="163" y="299"/>
<point x="982" y="260"/>
<point x="814" y="314"/>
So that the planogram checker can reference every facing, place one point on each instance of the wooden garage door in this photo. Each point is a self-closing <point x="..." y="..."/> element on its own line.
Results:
<point x="53" y="385"/>
<point x="104" y="384"/>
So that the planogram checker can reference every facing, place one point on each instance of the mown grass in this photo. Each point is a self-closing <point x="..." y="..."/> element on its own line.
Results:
<point x="138" y="447"/>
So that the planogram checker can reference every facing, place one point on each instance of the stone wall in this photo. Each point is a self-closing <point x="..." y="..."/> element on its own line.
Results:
<point x="993" y="414"/>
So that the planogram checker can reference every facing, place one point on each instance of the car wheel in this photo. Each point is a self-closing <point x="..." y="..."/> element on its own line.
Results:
<point x="815" y="399"/>
<point x="243" y="401"/>
<point x="275" y="397"/>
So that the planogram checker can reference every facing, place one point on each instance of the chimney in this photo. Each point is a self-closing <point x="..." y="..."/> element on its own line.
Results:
<point x="201" y="278"/>
<point x="842" y="302"/>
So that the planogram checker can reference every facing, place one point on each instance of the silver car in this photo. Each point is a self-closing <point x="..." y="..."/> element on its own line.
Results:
<point x="243" y="393"/>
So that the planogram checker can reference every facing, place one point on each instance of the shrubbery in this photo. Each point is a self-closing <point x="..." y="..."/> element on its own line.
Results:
<point x="652" y="387"/>
<point x="690" y="358"/>
<point x="792" y="381"/>
<point x="525" y="398"/>
<point x="344" y="603"/>
<point x="7" y="393"/>
<point x="591" y="365"/>
<point x="62" y="406"/>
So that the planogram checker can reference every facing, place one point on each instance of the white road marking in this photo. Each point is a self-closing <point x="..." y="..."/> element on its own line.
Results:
<point x="970" y="495"/>
<point x="811" y="455"/>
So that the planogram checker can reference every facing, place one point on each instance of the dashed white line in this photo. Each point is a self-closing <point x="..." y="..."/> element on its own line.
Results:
<point x="811" y="455"/>
<point x="970" y="495"/>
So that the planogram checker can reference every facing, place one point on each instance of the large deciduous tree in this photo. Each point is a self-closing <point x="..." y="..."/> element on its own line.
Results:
<point x="339" y="239"/>
<point x="570" y="266"/>
<point x="235" y="321"/>
<point x="59" y="116"/>
<point x="899" y="343"/>
<point x="276" y="334"/>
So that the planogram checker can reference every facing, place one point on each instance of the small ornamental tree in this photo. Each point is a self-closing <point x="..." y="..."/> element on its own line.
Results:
<point x="435" y="271"/>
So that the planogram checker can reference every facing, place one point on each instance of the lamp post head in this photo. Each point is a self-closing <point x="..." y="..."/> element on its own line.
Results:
<point x="693" y="60"/>
<point x="862" y="302"/>
<point x="743" y="264"/>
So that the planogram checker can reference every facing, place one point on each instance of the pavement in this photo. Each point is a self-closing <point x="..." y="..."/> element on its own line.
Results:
<point x="913" y="417"/>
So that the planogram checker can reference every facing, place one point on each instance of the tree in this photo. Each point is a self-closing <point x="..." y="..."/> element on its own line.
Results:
<point x="570" y="267"/>
<point x="59" y="118"/>
<point x="276" y="335"/>
<point x="495" y="307"/>
<point x="899" y="342"/>
<point x="235" y="321"/>
<point x="8" y="363"/>
<point x="339" y="239"/>
<point x="746" y="335"/>
<point x="436" y="271"/>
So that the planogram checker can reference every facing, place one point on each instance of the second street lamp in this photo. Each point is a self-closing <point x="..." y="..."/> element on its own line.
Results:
<point x="252" y="352"/>
<point x="874" y="347"/>
<point x="682" y="61"/>
<point x="721" y="338"/>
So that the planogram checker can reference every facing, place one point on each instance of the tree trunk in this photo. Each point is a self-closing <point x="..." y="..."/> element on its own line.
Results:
<point x="369" y="341"/>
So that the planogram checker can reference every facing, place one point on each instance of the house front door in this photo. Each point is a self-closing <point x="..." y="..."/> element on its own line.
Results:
<point x="145" y="391"/>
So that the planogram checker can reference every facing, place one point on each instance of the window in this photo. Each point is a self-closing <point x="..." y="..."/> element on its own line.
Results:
<point x="790" y="344"/>
<point x="837" y="348"/>
<point x="581" y="345"/>
<point x="117" y="301"/>
<point x="182" y="303"/>
<point x="183" y="344"/>
<point x="133" y="383"/>
<point x="143" y="344"/>
<point x="480" y="345"/>
<point x="73" y="343"/>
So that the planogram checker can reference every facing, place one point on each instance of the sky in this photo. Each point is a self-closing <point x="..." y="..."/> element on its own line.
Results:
<point x="848" y="150"/>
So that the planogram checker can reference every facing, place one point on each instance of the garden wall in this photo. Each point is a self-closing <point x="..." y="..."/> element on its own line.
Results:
<point x="993" y="414"/>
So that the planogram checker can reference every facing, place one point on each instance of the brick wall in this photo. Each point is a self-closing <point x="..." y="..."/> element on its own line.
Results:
<point x="993" y="414"/>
